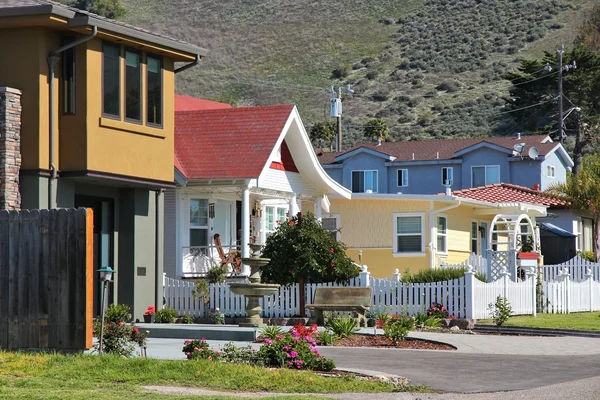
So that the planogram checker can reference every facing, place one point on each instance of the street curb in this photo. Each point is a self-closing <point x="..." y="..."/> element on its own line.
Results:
<point x="522" y="330"/>
<point x="382" y="376"/>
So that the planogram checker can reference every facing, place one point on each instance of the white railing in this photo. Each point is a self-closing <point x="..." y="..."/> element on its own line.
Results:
<point x="465" y="297"/>
<point x="478" y="263"/>
<point x="565" y="296"/>
<point x="577" y="268"/>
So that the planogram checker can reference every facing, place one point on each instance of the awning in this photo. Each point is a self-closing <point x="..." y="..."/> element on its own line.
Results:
<point x="547" y="226"/>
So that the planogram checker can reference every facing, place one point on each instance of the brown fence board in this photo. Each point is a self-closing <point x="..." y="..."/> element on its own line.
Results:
<point x="46" y="275"/>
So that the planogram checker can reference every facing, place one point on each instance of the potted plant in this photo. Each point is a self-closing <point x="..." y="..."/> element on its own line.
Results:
<point x="150" y="315"/>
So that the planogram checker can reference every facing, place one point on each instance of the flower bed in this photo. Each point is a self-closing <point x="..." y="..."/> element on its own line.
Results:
<point x="382" y="341"/>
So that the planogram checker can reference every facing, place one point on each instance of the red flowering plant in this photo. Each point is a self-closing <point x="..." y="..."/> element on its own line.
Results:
<point x="437" y="310"/>
<point x="198" y="349"/>
<point x="151" y="310"/>
<point x="296" y="349"/>
<point x="302" y="251"/>
<point x="119" y="336"/>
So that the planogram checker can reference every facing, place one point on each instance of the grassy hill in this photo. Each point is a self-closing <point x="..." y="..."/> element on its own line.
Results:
<point x="430" y="68"/>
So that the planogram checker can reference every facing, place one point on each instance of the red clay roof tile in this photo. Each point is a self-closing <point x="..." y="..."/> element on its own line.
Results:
<point x="506" y="192"/>
<point x="187" y="103"/>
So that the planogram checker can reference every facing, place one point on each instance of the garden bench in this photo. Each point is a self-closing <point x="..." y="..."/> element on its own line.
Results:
<point x="354" y="299"/>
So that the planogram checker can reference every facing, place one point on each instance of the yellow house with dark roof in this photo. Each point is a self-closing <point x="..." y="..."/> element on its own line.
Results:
<point x="96" y="129"/>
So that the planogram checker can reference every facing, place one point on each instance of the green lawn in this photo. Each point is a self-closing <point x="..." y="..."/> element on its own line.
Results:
<point x="581" y="321"/>
<point x="43" y="376"/>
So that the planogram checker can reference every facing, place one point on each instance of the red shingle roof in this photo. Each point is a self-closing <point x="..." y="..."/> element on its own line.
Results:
<point x="505" y="192"/>
<point x="187" y="103"/>
<point x="228" y="143"/>
<point x="444" y="149"/>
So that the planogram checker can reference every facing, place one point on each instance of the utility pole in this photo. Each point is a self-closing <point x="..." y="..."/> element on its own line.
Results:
<point x="560" y="94"/>
<point x="580" y="142"/>
<point x="335" y="110"/>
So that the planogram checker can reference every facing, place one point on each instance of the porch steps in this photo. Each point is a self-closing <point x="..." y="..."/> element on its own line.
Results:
<point x="232" y="333"/>
<point x="521" y="330"/>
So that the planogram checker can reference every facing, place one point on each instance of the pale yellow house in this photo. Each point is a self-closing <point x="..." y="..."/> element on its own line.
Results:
<point x="393" y="231"/>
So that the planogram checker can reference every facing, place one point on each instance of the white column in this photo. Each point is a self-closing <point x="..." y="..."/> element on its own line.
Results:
<point x="245" y="222"/>
<point x="318" y="209"/>
<point x="293" y="206"/>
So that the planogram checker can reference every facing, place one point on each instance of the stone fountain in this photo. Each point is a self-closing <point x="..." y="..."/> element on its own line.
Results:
<point x="254" y="290"/>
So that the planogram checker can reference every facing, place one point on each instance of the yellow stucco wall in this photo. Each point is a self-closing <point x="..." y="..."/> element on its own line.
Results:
<point x="368" y="225"/>
<point x="84" y="141"/>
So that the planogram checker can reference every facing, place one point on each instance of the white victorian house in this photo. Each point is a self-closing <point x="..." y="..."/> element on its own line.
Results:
<point x="239" y="173"/>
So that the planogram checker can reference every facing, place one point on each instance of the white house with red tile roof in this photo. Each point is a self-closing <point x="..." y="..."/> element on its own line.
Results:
<point x="424" y="166"/>
<point x="239" y="172"/>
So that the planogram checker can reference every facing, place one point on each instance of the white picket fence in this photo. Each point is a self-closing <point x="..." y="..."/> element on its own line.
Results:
<point x="577" y="267"/>
<point x="478" y="263"/>
<point x="566" y="296"/>
<point x="465" y="297"/>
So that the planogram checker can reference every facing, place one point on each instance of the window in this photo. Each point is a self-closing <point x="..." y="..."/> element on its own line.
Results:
<point x="551" y="171"/>
<point x="273" y="217"/>
<point x="111" y="80"/>
<point x="332" y="223"/>
<point x="447" y="176"/>
<point x="154" y="88"/>
<point x="198" y="222"/>
<point x="485" y="175"/>
<point x="474" y="237"/>
<point x="68" y="79"/>
<point x="584" y="235"/>
<point x="133" y="85"/>
<point x="442" y="234"/>
<point x="402" y="177"/>
<point x="364" y="181"/>
<point x="408" y="233"/>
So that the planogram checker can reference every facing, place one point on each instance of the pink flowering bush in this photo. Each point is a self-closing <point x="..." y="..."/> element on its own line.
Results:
<point x="437" y="310"/>
<point x="296" y="349"/>
<point x="198" y="349"/>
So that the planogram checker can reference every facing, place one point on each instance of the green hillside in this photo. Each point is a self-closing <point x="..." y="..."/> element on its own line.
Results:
<point x="429" y="68"/>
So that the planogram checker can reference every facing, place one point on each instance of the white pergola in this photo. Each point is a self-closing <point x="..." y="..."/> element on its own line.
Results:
<point x="507" y="235"/>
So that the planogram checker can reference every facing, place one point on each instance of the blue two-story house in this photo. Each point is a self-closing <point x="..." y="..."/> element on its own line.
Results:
<point x="428" y="166"/>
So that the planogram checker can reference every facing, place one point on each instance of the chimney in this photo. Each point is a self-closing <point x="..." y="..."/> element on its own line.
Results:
<point x="536" y="187"/>
<point x="10" y="148"/>
<point x="518" y="135"/>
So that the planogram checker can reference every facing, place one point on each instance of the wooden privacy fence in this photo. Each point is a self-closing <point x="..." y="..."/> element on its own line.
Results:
<point x="577" y="268"/>
<point x="465" y="297"/>
<point x="46" y="272"/>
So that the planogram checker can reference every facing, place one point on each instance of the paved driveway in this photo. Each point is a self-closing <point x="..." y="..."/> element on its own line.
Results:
<point x="469" y="372"/>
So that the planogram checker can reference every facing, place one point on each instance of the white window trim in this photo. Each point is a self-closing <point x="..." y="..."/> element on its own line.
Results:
<point x="189" y="220"/>
<point x="395" y="252"/>
<point x="437" y="234"/>
<point x="551" y="171"/>
<point x="399" y="181"/>
<point x="451" y="180"/>
<point x="337" y="223"/>
<point x="275" y="208"/>
<point x="485" y="173"/>
<point x="365" y="170"/>
<point x="471" y="236"/>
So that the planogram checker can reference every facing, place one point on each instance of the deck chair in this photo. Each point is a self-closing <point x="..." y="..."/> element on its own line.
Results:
<point x="232" y="259"/>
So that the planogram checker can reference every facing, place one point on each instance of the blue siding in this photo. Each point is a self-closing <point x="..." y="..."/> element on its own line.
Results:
<point x="525" y="173"/>
<point x="422" y="179"/>
<point x="484" y="156"/>
<point x="364" y="162"/>
<point x="559" y="167"/>
<point x="335" y="174"/>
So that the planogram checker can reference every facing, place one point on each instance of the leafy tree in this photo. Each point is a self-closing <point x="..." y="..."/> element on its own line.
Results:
<point x="588" y="32"/>
<point x="323" y="131"/>
<point x="582" y="192"/>
<point x="107" y="8"/>
<point x="376" y="129"/>
<point x="302" y="251"/>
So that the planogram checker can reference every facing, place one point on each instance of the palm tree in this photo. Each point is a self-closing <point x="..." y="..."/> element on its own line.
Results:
<point x="582" y="192"/>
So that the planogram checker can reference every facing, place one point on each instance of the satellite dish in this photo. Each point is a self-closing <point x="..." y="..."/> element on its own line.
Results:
<point x="533" y="153"/>
<point x="519" y="147"/>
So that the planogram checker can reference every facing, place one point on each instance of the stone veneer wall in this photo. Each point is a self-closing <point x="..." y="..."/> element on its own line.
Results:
<point x="10" y="148"/>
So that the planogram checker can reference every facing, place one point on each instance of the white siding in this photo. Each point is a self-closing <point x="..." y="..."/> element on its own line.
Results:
<point x="285" y="181"/>
<point x="170" y="224"/>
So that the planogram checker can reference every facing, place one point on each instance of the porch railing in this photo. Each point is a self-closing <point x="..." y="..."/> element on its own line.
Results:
<point x="198" y="260"/>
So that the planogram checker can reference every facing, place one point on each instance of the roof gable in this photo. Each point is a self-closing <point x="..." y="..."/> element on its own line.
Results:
<point x="364" y="149"/>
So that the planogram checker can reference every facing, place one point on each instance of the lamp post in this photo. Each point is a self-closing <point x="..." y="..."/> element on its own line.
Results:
<point x="106" y="274"/>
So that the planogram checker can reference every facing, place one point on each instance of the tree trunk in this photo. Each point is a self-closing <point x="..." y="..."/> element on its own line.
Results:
<point x="302" y="297"/>
<point x="580" y="143"/>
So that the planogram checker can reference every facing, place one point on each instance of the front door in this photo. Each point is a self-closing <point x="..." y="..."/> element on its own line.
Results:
<point x="483" y="228"/>
<point x="103" y="240"/>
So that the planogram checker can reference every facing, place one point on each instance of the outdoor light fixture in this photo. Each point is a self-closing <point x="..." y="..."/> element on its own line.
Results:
<point x="106" y="274"/>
